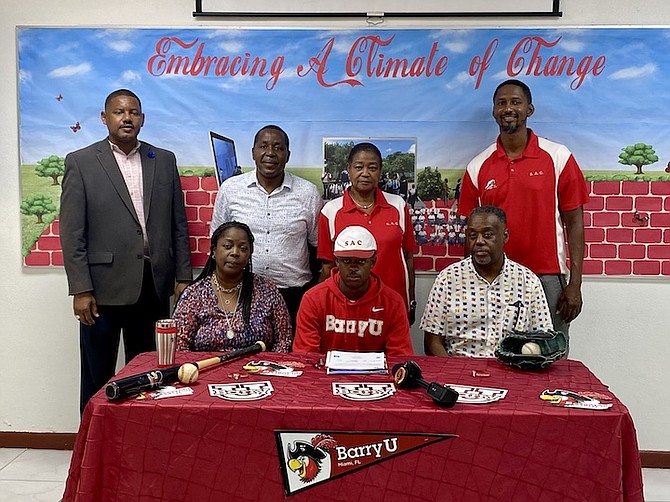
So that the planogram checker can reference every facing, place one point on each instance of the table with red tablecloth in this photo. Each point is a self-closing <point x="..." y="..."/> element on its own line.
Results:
<point x="202" y="448"/>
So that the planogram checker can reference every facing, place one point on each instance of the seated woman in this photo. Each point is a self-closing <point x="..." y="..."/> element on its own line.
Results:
<point x="229" y="307"/>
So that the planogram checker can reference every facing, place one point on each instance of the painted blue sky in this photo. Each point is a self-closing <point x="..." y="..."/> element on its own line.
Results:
<point x="626" y="102"/>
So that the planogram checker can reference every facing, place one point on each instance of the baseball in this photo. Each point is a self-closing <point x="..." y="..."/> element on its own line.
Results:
<point x="188" y="373"/>
<point x="526" y="349"/>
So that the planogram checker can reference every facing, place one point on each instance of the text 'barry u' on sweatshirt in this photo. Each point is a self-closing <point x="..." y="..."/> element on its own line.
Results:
<point x="328" y="320"/>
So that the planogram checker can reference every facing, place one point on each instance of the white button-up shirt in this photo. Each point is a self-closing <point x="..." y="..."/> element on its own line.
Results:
<point x="283" y="222"/>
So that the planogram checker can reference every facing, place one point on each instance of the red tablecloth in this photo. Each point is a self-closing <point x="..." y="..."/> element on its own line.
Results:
<point x="199" y="448"/>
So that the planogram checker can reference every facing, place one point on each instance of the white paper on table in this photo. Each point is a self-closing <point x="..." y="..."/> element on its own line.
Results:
<point x="361" y="361"/>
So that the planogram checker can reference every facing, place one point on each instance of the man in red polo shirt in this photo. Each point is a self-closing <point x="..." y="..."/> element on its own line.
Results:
<point x="541" y="188"/>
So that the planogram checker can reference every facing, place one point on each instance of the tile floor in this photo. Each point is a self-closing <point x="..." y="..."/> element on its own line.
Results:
<point x="39" y="475"/>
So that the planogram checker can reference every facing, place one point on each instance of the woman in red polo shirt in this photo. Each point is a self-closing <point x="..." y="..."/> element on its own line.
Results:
<point x="385" y="215"/>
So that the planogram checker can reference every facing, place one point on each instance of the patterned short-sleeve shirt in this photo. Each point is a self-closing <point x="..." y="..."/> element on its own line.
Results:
<point x="473" y="315"/>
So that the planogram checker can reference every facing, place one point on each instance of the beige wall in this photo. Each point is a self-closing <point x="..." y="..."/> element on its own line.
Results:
<point x="623" y="334"/>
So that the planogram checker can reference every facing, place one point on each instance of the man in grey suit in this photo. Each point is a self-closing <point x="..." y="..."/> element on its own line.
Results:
<point x="125" y="240"/>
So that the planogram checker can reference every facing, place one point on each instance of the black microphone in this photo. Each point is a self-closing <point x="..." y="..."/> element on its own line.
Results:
<point x="407" y="375"/>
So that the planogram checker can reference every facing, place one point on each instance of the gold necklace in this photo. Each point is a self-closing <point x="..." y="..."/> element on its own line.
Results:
<point x="218" y="290"/>
<point x="362" y="206"/>
<point x="221" y="289"/>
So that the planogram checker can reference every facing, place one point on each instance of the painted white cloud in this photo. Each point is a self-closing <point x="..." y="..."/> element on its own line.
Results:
<point x="456" y="46"/>
<point x="412" y="149"/>
<point x="634" y="72"/>
<point x="572" y="45"/>
<point x="235" y="83"/>
<point x="502" y="76"/>
<point x="70" y="70"/>
<point x="25" y="76"/>
<point x="288" y="73"/>
<point x="122" y="46"/>
<point x="130" y="76"/>
<point x="231" y="46"/>
<point x="462" y="78"/>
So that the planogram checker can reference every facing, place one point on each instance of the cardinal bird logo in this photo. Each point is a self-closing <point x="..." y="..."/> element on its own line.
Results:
<point x="59" y="97"/>
<point x="305" y="458"/>
<point x="75" y="127"/>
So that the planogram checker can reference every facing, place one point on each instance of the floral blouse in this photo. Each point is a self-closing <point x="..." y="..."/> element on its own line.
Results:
<point x="203" y="325"/>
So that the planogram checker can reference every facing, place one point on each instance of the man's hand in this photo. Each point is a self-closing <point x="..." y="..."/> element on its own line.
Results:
<point x="411" y="315"/>
<point x="433" y="345"/>
<point x="178" y="290"/>
<point x="85" y="308"/>
<point x="570" y="302"/>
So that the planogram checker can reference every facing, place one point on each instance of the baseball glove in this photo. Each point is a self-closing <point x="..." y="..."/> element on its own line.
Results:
<point x="553" y="346"/>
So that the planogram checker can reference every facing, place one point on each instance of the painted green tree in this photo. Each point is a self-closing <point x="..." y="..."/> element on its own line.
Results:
<point x="638" y="155"/>
<point x="38" y="205"/>
<point x="51" y="167"/>
<point x="399" y="163"/>
<point x="336" y="157"/>
<point x="429" y="184"/>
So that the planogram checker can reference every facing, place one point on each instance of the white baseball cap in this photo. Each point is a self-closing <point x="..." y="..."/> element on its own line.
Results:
<point x="355" y="242"/>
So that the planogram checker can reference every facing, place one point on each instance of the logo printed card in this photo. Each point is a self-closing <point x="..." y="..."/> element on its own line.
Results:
<point x="364" y="391"/>
<point x="470" y="394"/>
<point x="269" y="368"/>
<point x="573" y="399"/>
<point x="247" y="391"/>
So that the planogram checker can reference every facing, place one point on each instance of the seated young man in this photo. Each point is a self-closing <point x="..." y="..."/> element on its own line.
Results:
<point x="352" y="310"/>
<point x="474" y="302"/>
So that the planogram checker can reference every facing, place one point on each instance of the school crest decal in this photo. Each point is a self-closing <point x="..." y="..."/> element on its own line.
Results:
<point x="363" y="391"/>
<point x="247" y="391"/>
<point x="471" y="394"/>
<point x="308" y="458"/>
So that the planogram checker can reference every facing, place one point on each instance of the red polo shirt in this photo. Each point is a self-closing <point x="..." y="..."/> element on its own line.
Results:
<point x="390" y="225"/>
<point x="533" y="190"/>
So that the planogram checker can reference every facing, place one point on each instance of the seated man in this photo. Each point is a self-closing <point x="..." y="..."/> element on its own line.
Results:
<point x="474" y="302"/>
<point x="352" y="310"/>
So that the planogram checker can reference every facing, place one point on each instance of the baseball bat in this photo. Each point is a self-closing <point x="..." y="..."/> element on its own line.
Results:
<point x="134" y="384"/>
<point x="190" y="372"/>
<point x="251" y="349"/>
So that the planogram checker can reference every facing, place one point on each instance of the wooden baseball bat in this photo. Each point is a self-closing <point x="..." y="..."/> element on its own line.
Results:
<point x="134" y="384"/>
<point x="188" y="372"/>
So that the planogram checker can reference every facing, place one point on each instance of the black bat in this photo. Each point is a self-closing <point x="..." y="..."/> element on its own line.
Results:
<point x="125" y="387"/>
<point x="135" y="384"/>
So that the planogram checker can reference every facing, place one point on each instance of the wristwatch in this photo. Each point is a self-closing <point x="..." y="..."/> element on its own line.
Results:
<point x="412" y="305"/>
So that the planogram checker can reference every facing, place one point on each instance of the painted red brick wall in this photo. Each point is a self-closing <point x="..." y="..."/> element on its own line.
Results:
<point x="627" y="230"/>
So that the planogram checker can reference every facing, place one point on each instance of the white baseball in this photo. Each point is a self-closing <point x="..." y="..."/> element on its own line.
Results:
<point x="188" y="373"/>
<point x="526" y="349"/>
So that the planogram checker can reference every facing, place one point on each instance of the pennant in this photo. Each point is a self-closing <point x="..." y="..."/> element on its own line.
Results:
<point x="309" y="458"/>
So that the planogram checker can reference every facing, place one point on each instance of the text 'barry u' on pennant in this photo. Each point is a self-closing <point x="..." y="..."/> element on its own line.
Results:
<point x="308" y="458"/>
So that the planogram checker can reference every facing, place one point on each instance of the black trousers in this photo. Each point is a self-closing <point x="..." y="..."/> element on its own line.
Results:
<point x="293" y="297"/>
<point x="99" y="343"/>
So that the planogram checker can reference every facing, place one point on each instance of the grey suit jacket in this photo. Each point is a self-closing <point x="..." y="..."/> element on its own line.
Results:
<point x="101" y="237"/>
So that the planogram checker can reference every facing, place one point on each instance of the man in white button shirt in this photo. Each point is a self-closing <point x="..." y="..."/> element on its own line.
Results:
<point x="474" y="302"/>
<point x="282" y="211"/>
